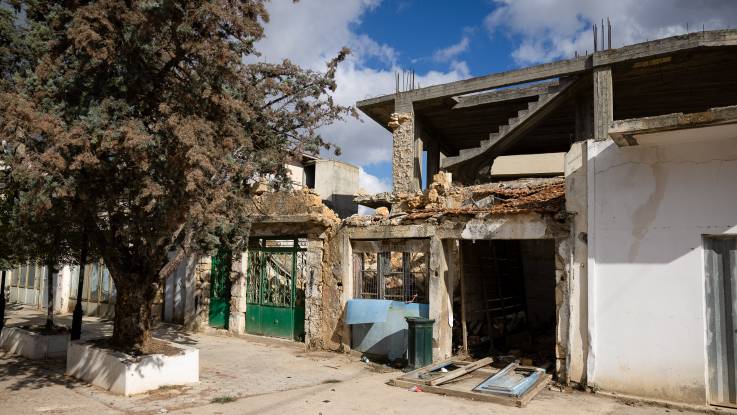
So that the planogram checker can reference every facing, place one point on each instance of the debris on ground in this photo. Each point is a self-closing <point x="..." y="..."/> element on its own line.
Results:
<point x="514" y="385"/>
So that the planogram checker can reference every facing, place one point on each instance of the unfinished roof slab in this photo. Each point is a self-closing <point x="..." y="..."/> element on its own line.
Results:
<point x="626" y="132"/>
<point x="377" y="107"/>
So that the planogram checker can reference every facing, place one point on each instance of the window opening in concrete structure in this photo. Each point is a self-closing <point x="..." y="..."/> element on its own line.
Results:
<point x="310" y="175"/>
<point x="721" y="292"/>
<point x="509" y="300"/>
<point x="394" y="275"/>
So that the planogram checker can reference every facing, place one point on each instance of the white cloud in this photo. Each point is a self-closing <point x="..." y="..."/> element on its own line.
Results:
<point x="452" y="51"/>
<point x="549" y="30"/>
<point x="370" y="184"/>
<point x="310" y="32"/>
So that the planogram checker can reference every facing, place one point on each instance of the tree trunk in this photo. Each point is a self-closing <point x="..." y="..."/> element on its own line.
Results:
<point x="132" y="322"/>
<point x="50" y="296"/>
<point x="77" y="316"/>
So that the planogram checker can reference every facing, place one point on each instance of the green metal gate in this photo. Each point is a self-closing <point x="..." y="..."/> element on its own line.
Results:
<point x="220" y="289"/>
<point x="275" y="289"/>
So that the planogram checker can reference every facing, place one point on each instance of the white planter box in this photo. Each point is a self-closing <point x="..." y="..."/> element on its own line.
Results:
<point x="124" y="374"/>
<point x="33" y="345"/>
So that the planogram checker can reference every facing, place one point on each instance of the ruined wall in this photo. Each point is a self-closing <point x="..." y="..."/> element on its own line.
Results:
<point x="649" y="207"/>
<point x="324" y="308"/>
<point x="576" y="176"/>
<point x="302" y="214"/>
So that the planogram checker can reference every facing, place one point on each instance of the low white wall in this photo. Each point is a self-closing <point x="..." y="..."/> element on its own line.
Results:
<point x="648" y="209"/>
<point x="121" y="374"/>
<point x="34" y="346"/>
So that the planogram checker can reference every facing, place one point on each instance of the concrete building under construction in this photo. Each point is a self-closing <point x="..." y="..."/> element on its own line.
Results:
<point x="577" y="215"/>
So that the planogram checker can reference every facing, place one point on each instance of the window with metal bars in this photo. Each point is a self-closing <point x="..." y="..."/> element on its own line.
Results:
<point x="398" y="276"/>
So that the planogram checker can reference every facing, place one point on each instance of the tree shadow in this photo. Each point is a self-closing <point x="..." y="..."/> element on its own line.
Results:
<point x="175" y="334"/>
<point x="34" y="374"/>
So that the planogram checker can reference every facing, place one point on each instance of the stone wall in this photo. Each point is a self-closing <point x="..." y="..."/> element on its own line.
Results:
<point x="403" y="152"/>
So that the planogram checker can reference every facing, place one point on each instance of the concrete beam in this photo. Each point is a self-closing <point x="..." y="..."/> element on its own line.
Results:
<point x="502" y="79"/>
<point x="501" y="95"/>
<point x="713" y="38"/>
<point x="625" y="132"/>
<point x="710" y="39"/>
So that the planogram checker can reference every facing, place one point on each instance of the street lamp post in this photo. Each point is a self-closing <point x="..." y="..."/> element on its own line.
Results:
<point x="2" y="302"/>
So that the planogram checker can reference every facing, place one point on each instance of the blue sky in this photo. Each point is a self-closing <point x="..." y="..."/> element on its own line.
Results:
<point x="419" y="29"/>
<point x="447" y="40"/>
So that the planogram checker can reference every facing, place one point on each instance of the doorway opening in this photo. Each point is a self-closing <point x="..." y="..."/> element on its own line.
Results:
<point x="504" y="306"/>
<point x="275" y="287"/>
<point x="219" y="310"/>
<point x="721" y="294"/>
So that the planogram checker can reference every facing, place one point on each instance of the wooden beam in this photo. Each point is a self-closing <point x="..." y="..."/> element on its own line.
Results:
<point x="464" y="325"/>
<point x="502" y="95"/>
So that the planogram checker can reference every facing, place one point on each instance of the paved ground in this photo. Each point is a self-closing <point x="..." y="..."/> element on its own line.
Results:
<point x="261" y="376"/>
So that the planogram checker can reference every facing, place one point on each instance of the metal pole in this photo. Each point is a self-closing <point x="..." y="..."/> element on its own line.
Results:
<point x="2" y="302"/>
<point x="77" y="316"/>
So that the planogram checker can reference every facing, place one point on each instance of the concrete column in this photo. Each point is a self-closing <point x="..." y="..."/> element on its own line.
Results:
<point x="197" y="318"/>
<point x="562" y="304"/>
<point x="346" y="272"/>
<point x="237" y="316"/>
<point x="63" y="285"/>
<point x="402" y="125"/>
<point x="603" y="102"/>
<point x="417" y="171"/>
<point x="433" y="159"/>
<point x="314" y="317"/>
<point x="439" y="298"/>
<point x="576" y="163"/>
<point x="190" y="291"/>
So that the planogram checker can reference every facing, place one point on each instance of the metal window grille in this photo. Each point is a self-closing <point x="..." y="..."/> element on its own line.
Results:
<point x="399" y="276"/>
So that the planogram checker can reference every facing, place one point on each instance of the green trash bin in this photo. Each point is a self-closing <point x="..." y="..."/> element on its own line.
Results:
<point x="419" y="350"/>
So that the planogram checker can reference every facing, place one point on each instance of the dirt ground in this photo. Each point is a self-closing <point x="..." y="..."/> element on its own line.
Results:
<point x="256" y="375"/>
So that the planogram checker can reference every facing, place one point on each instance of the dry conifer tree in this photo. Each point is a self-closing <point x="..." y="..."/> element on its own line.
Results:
<point x="147" y="121"/>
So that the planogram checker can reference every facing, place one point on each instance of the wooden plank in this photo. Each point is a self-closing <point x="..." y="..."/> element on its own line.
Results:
<point x="435" y="366"/>
<point x="533" y="391"/>
<point x="464" y="325"/>
<point x="476" y="396"/>
<point x="461" y="371"/>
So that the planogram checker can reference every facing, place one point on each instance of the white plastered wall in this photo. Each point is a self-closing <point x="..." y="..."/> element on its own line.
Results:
<point x="649" y="207"/>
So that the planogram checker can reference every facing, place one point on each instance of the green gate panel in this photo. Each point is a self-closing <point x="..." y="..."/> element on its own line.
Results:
<point x="273" y="306"/>
<point x="219" y="308"/>
<point x="219" y="312"/>
<point x="253" y="319"/>
<point x="284" y="322"/>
